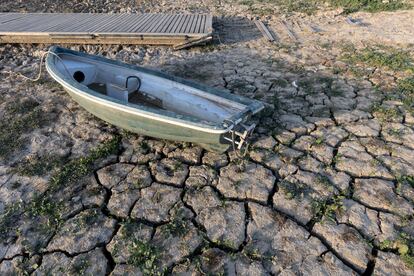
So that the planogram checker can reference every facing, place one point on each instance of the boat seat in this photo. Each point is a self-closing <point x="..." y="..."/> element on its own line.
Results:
<point x="123" y="87"/>
<point x="131" y="83"/>
<point x="117" y="92"/>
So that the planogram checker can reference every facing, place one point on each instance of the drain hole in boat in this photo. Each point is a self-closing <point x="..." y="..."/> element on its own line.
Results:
<point x="79" y="76"/>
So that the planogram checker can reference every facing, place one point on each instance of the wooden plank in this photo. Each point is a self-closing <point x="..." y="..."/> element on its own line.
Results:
<point x="142" y="27"/>
<point x="172" y="21"/>
<point x="127" y="21"/>
<point x="138" y="22"/>
<point x="160" y="22"/>
<point x="184" y="24"/>
<point x="190" y="24"/>
<point x="196" y="23"/>
<point x="208" y="27"/>
<point x="20" y="22"/>
<point x="200" y="27"/>
<point x="154" y="21"/>
<point x="176" y="24"/>
<point x="68" y="27"/>
<point x="263" y="29"/>
<point x="91" y="23"/>
<point x="66" y="20"/>
<point x="40" y="25"/>
<point x="157" y="29"/>
<point x="11" y="19"/>
<point x="165" y="24"/>
<point x="99" y="26"/>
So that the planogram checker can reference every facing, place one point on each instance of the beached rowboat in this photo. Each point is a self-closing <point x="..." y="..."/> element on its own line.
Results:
<point x="153" y="103"/>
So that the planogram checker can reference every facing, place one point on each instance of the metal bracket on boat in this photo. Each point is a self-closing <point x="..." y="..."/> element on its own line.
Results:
<point x="239" y="136"/>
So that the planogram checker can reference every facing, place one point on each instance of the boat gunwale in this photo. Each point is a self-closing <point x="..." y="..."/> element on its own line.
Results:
<point x="252" y="106"/>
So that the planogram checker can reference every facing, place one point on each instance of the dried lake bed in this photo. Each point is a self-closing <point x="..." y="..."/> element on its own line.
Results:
<point x="327" y="186"/>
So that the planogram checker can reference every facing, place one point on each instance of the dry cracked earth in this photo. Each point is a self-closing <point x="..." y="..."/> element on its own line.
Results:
<point x="327" y="187"/>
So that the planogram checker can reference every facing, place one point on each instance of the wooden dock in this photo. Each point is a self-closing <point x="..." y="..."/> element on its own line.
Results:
<point x="177" y="30"/>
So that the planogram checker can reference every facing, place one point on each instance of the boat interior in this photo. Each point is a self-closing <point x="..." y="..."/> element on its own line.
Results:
<point x="136" y="89"/>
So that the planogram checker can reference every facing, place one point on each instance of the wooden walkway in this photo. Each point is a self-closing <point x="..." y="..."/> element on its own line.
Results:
<point x="178" y="30"/>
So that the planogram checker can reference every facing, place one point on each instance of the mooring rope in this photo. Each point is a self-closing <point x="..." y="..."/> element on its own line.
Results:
<point x="42" y="59"/>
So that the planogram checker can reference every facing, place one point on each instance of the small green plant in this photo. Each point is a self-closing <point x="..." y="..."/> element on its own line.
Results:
<point x="395" y="132"/>
<point x="405" y="91"/>
<point x="386" y="114"/>
<point x="324" y="180"/>
<point x="329" y="208"/>
<point x="406" y="179"/>
<point x="293" y="190"/>
<point x="80" y="266"/>
<point x="137" y="184"/>
<point x="177" y="227"/>
<point x="337" y="158"/>
<point x="237" y="183"/>
<point x="319" y="141"/>
<point x="39" y="166"/>
<point x="144" y="256"/>
<point x="408" y="260"/>
<point x="404" y="245"/>
<point x="385" y="244"/>
<point x="177" y="165"/>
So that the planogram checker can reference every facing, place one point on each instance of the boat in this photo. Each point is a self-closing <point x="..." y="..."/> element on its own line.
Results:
<point x="153" y="103"/>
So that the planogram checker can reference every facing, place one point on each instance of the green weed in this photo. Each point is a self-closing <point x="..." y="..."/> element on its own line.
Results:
<point x="383" y="57"/>
<point x="40" y="166"/>
<point x="328" y="209"/>
<point x="80" y="267"/>
<point x="14" y="126"/>
<point x="144" y="256"/>
<point x="177" y="227"/>
<point x="82" y="166"/>
<point x="405" y="91"/>
<point x="45" y="205"/>
<point x="406" y="179"/>
<point x="351" y="6"/>
<point x="386" y="114"/>
<point x="293" y="190"/>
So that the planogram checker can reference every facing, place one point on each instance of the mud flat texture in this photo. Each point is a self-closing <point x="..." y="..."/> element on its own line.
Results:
<point x="327" y="187"/>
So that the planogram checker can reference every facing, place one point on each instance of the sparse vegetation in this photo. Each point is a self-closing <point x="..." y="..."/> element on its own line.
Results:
<point x="177" y="227"/>
<point x="144" y="256"/>
<point x="351" y="6"/>
<point x="39" y="165"/>
<point x="405" y="92"/>
<point x="80" y="267"/>
<point x="329" y="208"/>
<point x="82" y="166"/>
<point x="404" y="245"/>
<point x="45" y="205"/>
<point x="406" y="179"/>
<point x="20" y="118"/>
<point x="293" y="190"/>
<point x="262" y="7"/>
<point x="381" y="56"/>
<point x="386" y="114"/>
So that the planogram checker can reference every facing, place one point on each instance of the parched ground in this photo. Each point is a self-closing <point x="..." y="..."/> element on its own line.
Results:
<point x="327" y="187"/>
